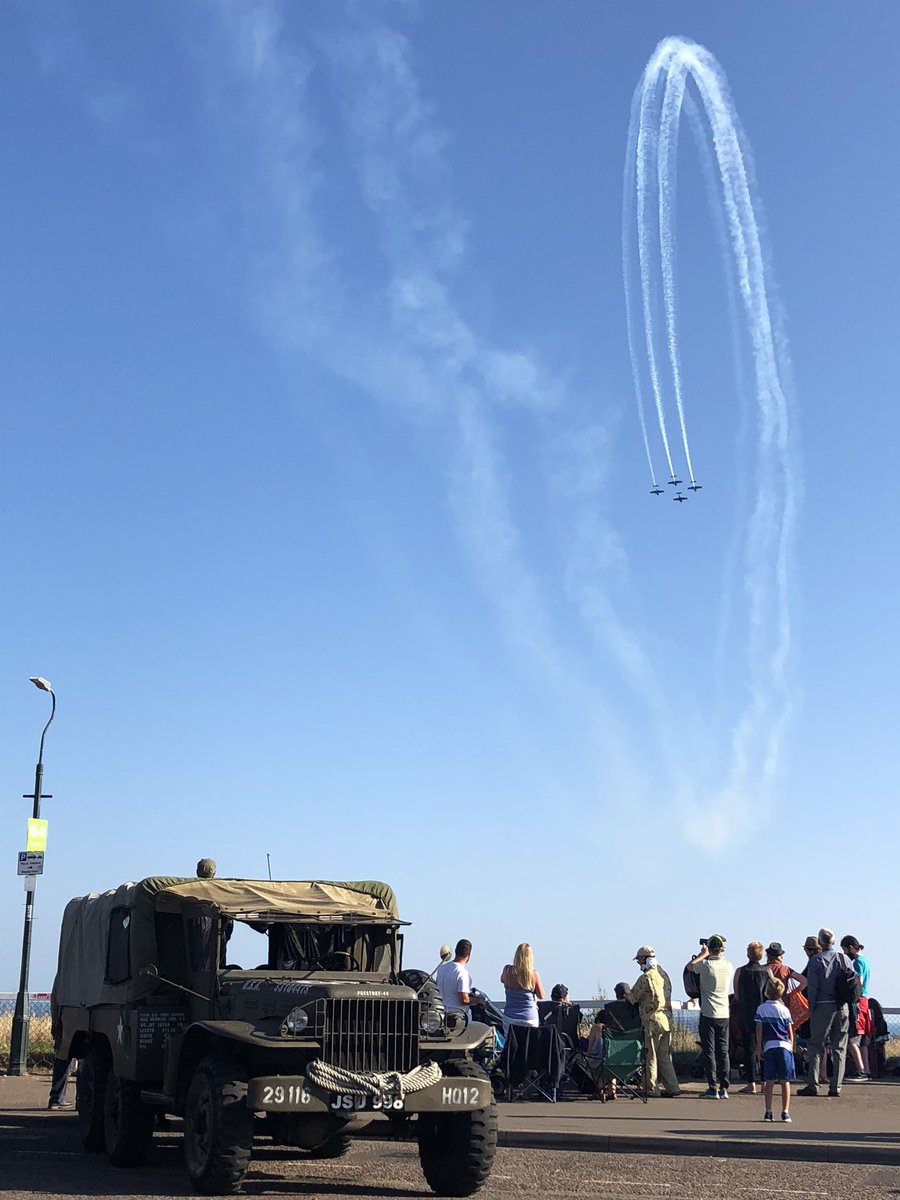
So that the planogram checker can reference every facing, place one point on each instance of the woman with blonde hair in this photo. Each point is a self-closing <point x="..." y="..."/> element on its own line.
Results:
<point x="523" y="988"/>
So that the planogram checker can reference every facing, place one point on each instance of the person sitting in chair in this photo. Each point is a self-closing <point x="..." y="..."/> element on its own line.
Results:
<point x="594" y="1059"/>
<point x="620" y="1014"/>
<point x="549" y="1009"/>
<point x="562" y="1013"/>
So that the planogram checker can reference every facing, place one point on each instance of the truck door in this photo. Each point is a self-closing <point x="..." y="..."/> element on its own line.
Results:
<point x="202" y="933"/>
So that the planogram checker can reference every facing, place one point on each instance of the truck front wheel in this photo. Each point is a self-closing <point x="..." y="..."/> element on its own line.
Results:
<point x="90" y="1094"/>
<point x="456" y="1150"/>
<point x="218" y="1128"/>
<point x="127" y="1122"/>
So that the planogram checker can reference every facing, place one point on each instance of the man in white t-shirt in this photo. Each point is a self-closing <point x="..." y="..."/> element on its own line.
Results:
<point x="453" y="980"/>
<point x="714" y="973"/>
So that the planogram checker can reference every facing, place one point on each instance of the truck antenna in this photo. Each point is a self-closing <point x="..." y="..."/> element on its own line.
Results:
<point x="269" y="865"/>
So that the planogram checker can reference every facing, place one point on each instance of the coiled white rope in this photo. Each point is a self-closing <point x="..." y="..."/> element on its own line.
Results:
<point x="387" y="1084"/>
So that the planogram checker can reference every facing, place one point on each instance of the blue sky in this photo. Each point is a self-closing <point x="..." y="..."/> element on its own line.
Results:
<point x="324" y="500"/>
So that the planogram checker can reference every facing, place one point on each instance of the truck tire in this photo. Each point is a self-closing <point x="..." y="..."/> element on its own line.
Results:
<point x="127" y="1122"/>
<point x="456" y="1150"/>
<point x="218" y="1128"/>
<point x="334" y="1147"/>
<point x="90" y="1095"/>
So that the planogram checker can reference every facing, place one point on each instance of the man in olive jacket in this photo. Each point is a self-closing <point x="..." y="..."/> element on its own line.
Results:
<point x="653" y="995"/>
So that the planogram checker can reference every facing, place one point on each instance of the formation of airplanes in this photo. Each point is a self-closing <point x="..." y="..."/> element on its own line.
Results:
<point x="679" y="497"/>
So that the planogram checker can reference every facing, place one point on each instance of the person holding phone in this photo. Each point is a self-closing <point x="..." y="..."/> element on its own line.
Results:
<point x="714" y="974"/>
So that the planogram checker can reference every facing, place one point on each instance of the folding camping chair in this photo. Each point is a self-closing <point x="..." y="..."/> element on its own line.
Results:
<point x="566" y="1018"/>
<point x="583" y="1070"/>
<point x="622" y="1061"/>
<point x="532" y="1062"/>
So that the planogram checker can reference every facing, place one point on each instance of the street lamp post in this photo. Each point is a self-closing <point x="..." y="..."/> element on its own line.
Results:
<point x="18" y="1045"/>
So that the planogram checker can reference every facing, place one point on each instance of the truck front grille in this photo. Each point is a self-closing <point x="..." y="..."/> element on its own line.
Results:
<point x="369" y="1035"/>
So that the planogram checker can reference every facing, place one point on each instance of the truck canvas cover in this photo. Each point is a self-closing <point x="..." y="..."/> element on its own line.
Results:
<point x="81" y="977"/>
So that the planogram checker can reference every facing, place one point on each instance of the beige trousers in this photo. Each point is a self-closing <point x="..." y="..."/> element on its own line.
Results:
<point x="659" y="1067"/>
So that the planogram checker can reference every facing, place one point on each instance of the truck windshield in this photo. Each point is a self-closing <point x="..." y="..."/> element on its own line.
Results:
<point x="295" y="946"/>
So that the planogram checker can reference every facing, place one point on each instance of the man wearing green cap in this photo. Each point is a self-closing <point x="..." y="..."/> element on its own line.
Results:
<point x="714" y="974"/>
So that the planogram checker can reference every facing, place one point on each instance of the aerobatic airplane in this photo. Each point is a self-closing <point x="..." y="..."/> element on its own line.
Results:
<point x="656" y="491"/>
<point x="673" y="482"/>
<point x="680" y="498"/>
<point x="694" y="486"/>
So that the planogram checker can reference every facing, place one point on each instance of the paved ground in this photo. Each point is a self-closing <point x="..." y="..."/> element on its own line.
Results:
<point x="40" y="1154"/>
<point x="862" y="1126"/>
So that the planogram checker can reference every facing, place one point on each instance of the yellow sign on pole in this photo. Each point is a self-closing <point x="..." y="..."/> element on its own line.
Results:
<point x="36" y="838"/>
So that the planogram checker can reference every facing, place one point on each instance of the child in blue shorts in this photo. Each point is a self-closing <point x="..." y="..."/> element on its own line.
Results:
<point x="775" y="1046"/>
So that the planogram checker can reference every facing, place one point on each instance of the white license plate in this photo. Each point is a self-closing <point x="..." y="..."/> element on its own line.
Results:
<point x="460" y="1095"/>
<point x="287" y="1095"/>
<point x="345" y="1103"/>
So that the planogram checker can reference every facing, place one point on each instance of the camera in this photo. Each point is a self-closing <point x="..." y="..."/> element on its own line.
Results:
<point x="704" y="941"/>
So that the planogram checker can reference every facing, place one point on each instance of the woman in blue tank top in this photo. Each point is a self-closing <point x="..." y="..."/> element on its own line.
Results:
<point x="523" y="989"/>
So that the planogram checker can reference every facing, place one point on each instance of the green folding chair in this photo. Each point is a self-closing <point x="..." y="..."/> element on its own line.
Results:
<point x="623" y="1055"/>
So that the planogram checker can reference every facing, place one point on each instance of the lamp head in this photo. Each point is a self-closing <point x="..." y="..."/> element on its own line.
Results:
<point x="39" y="682"/>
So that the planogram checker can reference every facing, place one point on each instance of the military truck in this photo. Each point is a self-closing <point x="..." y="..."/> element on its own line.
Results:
<point x="317" y="1037"/>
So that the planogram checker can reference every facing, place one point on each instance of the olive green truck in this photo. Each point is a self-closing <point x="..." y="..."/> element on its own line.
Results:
<point x="315" y="1039"/>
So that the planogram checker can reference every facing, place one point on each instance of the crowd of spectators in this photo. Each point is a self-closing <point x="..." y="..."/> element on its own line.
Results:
<point x="764" y="1013"/>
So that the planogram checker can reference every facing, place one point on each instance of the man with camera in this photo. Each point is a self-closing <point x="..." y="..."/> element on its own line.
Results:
<point x="714" y="974"/>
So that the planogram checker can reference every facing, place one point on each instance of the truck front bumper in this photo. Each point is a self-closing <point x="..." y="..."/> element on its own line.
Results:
<point x="294" y="1093"/>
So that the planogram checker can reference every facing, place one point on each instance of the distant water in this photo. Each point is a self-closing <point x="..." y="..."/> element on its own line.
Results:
<point x="685" y="1018"/>
<point x="36" y="1007"/>
<point x="689" y="1019"/>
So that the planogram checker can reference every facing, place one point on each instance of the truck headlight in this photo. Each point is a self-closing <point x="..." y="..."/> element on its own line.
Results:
<point x="294" y="1023"/>
<point x="431" y="1022"/>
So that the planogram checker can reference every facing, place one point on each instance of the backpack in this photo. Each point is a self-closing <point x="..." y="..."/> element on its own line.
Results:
<point x="847" y="984"/>
<point x="881" y="1028"/>
<point x="691" y="983"/>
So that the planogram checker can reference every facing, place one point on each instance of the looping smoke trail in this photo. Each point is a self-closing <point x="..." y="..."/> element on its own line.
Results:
<point x="634" y="174"/>
<point x="666" y="179"/>
<point x="651" y="162"/>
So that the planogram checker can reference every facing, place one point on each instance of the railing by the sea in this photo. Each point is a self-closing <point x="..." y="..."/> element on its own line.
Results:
<point x="686" y="1022"/>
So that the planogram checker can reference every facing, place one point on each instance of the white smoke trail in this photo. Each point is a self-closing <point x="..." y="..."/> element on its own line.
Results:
<point x="656" y="114"/>
<point x="638" y="133"/>
<point x="627" y="254"/>
<point x="710" y="172"/>
<point x="666" y="176"/>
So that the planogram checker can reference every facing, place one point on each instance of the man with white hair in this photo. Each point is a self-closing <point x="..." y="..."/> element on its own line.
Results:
<point x="829" y="1015"/>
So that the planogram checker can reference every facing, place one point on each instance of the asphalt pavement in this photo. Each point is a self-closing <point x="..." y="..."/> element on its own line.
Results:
<point x="861" y="1126"/>
<point x="848" y="1149"/>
